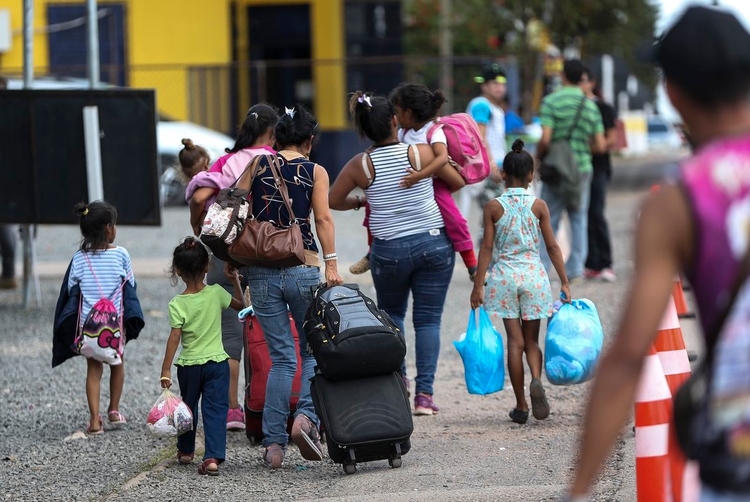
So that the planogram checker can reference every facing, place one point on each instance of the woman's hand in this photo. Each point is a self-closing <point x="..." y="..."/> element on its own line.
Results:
<point x="477" y="297"/>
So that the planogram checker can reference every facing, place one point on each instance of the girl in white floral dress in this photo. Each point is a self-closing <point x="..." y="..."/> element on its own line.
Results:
<point x="511" y="281"/>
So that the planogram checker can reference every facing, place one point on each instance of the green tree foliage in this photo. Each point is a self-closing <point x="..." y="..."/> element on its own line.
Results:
<point x="497" y="28"/>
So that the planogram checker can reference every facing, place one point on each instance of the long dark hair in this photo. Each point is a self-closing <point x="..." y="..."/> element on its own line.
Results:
<point x="259" y="119"/>
<point x="93" y="219"/>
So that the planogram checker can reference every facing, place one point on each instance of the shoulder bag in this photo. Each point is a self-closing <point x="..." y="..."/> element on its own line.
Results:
<point x="263" y="243"/>
<point x="559" y="169"/>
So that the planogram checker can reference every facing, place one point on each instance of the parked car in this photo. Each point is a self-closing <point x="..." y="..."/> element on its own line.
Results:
<point x="663" y="134"/>
<point x="169" y="134"/>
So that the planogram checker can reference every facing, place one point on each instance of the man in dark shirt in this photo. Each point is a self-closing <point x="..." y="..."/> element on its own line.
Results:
<point x="599" y="258"/>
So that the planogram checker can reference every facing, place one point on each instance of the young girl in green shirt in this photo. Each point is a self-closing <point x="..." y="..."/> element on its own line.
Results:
<point x="202" y="367"/>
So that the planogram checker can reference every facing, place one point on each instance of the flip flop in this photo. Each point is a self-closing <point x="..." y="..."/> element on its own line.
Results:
<point x="205" y="467"/>
<point x="96" y="432"/>
<point x="118" y="417"/>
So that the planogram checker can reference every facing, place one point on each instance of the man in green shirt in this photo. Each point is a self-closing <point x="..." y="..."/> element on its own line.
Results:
<point x="558" y="115"/>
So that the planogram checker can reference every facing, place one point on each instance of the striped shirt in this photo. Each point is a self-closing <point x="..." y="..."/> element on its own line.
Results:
<point x="110" y="267"/>
<point x="559" y="110"/>
<point x="396" y="211"/>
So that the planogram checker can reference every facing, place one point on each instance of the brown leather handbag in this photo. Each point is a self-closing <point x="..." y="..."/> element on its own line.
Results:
<point x="262" y="243"/>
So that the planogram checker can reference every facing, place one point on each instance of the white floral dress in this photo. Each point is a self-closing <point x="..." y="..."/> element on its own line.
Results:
<point x="517" y="285"/>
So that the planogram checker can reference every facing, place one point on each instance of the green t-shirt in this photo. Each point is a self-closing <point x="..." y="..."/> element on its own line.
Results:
<point x="199" y="317"/>
<point x="558" y="112"/>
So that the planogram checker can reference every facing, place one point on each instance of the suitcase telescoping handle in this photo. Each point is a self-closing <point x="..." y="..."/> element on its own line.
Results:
<point x="316" y="289"/>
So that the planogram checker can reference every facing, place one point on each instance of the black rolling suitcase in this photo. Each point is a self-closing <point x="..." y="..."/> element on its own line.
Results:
<point x="365" y="419"/>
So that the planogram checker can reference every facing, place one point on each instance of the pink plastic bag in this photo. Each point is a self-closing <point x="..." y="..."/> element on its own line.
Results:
<point x="169" y="416"/>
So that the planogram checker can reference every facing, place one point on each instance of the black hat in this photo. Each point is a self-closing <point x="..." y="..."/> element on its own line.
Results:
<point x="491" y="72"/>
<point x="702" y="45"/>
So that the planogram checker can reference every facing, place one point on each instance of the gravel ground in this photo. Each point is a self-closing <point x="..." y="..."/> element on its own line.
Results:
<point x="470" y="451"/>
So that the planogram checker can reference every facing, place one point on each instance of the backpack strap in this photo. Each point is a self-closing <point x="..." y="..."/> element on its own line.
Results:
<point x="91" y="267"/>
<point x="417" y="160"/>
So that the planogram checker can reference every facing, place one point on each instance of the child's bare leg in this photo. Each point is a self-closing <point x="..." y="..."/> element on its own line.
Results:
<point x="515" y="361"/>
<point x="452" y="178"/>
<point x="116" y="382"/>
<point x="530" y="331"/>
<point x="94" y="371"/>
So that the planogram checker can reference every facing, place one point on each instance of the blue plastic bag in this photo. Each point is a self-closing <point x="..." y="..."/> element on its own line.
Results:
<point x="573" y="344"/>
<point x="481" y="349"/>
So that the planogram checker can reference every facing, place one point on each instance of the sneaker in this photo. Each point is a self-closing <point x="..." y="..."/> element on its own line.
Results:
<point x="273" y="456"/>
<point x="591" y="274"/>
<point x="423" y="405"/>
<point x="361" y="266"/>
<point x="608" y="275"/>
<point x="8" y="283"/>
<point x="235" y="419"/>
<point x="305" y="435"/>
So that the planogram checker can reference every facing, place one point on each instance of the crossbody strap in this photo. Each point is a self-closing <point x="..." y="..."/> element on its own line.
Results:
<point x="739" y="281"/>
<point x="569" y="136"/>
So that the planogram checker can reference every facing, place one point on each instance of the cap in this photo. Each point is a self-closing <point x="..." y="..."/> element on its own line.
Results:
<point x="703" y="43"/>
<point x="491" y="73"/>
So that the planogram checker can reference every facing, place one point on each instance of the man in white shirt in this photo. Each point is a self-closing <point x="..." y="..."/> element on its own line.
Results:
<point x="488" y="113"/>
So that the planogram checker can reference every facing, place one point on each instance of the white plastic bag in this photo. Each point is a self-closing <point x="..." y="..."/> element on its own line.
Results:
<point x="169" y="416"/>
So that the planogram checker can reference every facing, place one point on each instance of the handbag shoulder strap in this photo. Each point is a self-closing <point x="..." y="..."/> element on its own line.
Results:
<point x="252" y="166"/>
<point x="281" y="185"/>
<point x="581" y="105"/>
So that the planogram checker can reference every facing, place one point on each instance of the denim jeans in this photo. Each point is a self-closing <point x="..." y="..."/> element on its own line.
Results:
<point x="272" y="291"/>
<point x="579" y="219"/>
<point x="422" y="265"/>
<point x="600" y="245"/>
<point x="208" y="382"/>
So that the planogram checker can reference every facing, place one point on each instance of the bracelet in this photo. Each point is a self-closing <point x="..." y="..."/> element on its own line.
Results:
<point x="359" y="202"/>
<point x="329" y="257"/>
<point x="165" y="379"/>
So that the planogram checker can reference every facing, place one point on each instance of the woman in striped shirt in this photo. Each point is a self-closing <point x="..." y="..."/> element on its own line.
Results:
<point x="410" y="251"/>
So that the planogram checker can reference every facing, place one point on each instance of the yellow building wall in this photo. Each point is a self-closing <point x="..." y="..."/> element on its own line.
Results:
<point x="162" y="38"/>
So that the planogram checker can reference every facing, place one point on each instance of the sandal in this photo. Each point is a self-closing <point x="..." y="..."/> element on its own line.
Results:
<point x="116" y="418"/>
<point x="97" y="432"/>
<point x="539" y="403"/>
<point x="519" y="416"/>
<point x="205" y="467"/>
<point x="184" y="458"/>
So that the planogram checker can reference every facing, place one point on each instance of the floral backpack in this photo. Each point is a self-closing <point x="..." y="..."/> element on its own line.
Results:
<point x="101" y="337"/>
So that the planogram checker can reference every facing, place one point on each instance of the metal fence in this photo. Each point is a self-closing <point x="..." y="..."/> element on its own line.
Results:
<point x="212" y="95"/>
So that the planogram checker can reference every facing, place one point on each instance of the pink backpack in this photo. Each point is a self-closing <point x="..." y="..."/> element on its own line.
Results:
<point x="466" y="147"/>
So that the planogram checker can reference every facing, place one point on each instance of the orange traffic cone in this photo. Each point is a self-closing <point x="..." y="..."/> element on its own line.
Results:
<point x="653" y="412"/>
<point x="670" y="346"/>
<point x="679" y="300"/>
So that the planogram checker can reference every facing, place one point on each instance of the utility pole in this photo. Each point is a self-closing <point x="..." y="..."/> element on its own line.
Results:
<point x="92" y="23"/>
<point x="446" y="52"/>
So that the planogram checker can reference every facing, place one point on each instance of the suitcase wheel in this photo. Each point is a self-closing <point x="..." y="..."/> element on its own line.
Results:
<point x="395" y="462"/>
<point x="350" y="468"/>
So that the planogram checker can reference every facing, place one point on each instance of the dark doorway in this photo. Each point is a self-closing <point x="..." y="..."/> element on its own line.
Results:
<point x="280" y="53"/>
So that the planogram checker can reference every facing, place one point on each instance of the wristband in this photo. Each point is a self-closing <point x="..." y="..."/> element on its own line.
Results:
<point x="329" y="257"/>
